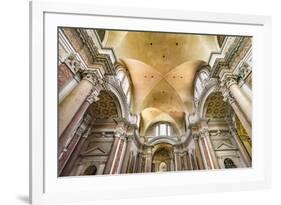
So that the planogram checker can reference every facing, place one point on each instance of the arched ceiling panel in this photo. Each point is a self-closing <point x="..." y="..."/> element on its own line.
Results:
<point x="181" y="79"/>
<point x="163" y="51"/>
<point x="162" y="67"/>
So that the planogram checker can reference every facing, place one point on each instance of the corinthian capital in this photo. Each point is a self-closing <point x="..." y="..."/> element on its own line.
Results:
<point x="73" y="63"/>
<point x="120" y="132"/>
<point x="229" y="79"/>
<point x="93" y="76"/>
<point x="227" y="96"/>
<point x="195" y="137"/>
<point x="204" y="132"/>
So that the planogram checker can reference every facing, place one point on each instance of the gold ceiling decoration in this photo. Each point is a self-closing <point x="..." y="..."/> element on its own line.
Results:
<point x="104" y="108"/>
<point x="216" y="107"/>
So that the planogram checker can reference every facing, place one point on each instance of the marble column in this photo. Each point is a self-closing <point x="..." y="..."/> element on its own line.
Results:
<point x="91" y="82"/>
<point x="241" y="116"/>
<point x="64" y="157"/>
<point x="246" y="157"/>
<point x="127" y="155"/>
<point x="139" y="164"/>
<point x="185" y="161"/>
<point x="68" y="133"/>
<point x="109" y="162"/>
<point x="189" y="162"/>
<point x="148" y="159"/>
<point x="246" y="89"/>
<point x="205" y="135"/>
<point x="113" y="165"/>
<point x="194" y="161"/>
<point x="120" y="155"/>
<point x="198" y="152"/>
<point x="241" y="98"/>
<point x="204" y="153"/>
<point x="177" y="158"/>
<point x="67" y="169"/>
<point x="191" y="167"/>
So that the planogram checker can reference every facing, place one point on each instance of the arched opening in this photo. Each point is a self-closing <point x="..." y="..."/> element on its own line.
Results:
<point x="162" y="159"/>
<point x="163" y="129"/>
<point x="125" y="83"/>
<point x="91" y="170"/>
<point x="199" y="83"/>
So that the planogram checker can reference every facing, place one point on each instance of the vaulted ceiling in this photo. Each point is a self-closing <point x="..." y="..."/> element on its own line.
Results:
<point x="162" y="67"/>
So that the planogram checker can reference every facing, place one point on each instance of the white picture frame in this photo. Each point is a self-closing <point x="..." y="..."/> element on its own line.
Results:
<point x="46" y="187"/>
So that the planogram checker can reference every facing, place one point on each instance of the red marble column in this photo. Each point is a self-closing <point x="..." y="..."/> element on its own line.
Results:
<point x="198" y="153"/>
<point x="72" y="127"/>
<point x="71" y="162"/>
<point x="148" y="159"/>
<point x="68" y="150"/>
<point x="127" y="159"/>
<point x="111" y="156"/>
<point x="118" y="157"/>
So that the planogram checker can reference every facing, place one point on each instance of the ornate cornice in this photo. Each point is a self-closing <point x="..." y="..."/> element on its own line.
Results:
<point x="227" y="96"/>
<point x="73" y="63"/>
<point x="93" y="76"/>
<point x="101" y="58"/>
<point x="236" y="48"/>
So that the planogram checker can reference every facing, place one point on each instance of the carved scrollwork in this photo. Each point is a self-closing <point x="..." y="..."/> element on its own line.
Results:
<point x="204" y="132"/>
<point x="244" y="70"/>
<point x="92" y="77"/>
<point x="121" y="133"/>
<point x="230" y="80"/>
<point x="93" y="96"/>
<point x="73" y="63"/>
<point x="227" y="96"/>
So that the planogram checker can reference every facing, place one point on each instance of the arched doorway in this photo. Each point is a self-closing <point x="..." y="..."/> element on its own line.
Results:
<point x="162" y="159"/>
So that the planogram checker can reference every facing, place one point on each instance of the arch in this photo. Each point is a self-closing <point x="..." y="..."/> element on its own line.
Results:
<point x="125" y="80"/>
<point x="162" y="140"/>
<point x="199" y="82"/>
<point x="153" y="115"/>
<point x="210" y="87"/>
<point x="171" y="129"/>
<point x="112" y="86"/>
<point x="162" y="153"/>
